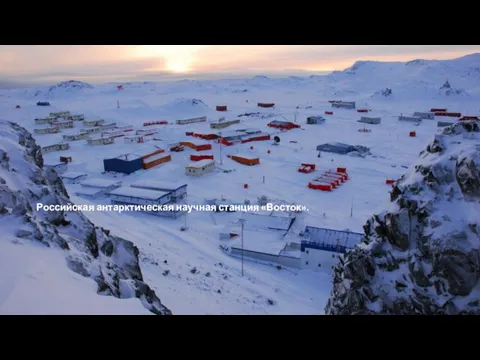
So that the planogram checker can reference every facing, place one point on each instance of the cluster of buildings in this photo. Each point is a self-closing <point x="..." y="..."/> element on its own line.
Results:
<point x="229" y="138"/>
<point x="57" y="121"/>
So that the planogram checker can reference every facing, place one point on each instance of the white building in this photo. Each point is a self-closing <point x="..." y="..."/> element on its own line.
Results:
<point x="92" y="130"/>
<point x="94" y="188"/>
<point x="221" y="124"/>
<point x="199" y="168"/>
<point x="191" y="121"/>
<point x="47" y="120"/>
<point x="60" y="114"/>
<point x="101" y="141"/>
<point x="56" y="147"/>
<point x="125" y="128"/>
<point x="73" y="177"/>
<point x="146" y="132"/>
<point x="65" y="124"/>
<point x="370" y="120"/>
<point x="82" y="136"/>
<point x="425" y="115"/>
<point x="92" y="123"/>
<point x="50" y="130"/>
<point x="108" y="126"/>
<point x="344" y="104"/>
<point x="137" y="196"/>
<point x="79" y="117"/>
<point x="113" y="133"/>
<point x="178" y="191"/>
<point x="415" y="119"/>
<point x="137" y="139"/>
<point x="321" y="247"/>
<point x="60" y="168"/>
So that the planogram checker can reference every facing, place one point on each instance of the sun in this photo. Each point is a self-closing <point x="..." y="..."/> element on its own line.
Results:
<point x="178" y="67"/>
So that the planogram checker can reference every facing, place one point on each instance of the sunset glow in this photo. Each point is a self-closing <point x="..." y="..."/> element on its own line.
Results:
<point x="99" y="63"/>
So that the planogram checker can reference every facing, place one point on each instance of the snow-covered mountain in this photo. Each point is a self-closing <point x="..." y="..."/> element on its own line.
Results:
<point x="364" y="79"/>
<point x="90" y="251"/>
<point x="422" y="255"/>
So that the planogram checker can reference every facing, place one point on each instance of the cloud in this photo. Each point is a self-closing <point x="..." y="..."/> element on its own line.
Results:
<point x="105" y="63"/>
<point x="95" y="71"/>
<point x="325" y="57"/>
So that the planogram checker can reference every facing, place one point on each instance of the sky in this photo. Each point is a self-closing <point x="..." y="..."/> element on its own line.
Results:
<point x="49" y="64"/>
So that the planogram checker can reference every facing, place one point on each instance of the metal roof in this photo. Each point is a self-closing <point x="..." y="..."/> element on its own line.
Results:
<point x="332" y="237"/>
<point x="145" y="194"/>
<point x="199" y="164"/>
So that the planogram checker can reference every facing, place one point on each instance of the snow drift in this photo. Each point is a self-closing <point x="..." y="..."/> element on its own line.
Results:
<point x="185" y="105"/>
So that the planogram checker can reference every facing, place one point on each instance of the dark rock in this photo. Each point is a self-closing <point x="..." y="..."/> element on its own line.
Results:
<point x="433" y="272"/>
<point x="107" y="248"/>
<point x="23" y="233"/>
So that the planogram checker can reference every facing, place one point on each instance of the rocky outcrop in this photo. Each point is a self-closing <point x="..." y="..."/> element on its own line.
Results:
<point x="89" y="250"/>
<point x="422" y="255"/>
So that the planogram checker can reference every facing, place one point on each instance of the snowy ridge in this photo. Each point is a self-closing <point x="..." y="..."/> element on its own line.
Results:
<point x="110" y="263"/>
<point x="421" y="256"/>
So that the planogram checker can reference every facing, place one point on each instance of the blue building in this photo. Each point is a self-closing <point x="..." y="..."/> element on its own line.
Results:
<point x="329" y="239"/>
<point x="336" y="147"/>
<point x="321" y="247"/>
<point x="125" y="164"/>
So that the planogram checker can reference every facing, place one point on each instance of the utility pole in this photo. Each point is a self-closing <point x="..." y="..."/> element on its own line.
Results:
<point x="242" y="221"/>
<point x="220" y="144"/>
<point x="118" y="104"/>
<point x="351" y="209"/>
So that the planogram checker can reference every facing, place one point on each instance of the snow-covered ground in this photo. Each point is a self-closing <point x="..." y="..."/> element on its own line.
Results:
<point x="168" y="254"/>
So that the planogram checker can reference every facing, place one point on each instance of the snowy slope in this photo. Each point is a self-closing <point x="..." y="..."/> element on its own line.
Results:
<point x="36" y="281"/>
<point x="168" y="255"/>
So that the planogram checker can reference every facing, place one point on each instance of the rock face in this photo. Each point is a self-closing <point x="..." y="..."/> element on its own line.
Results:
<point x="89" y="250"/>
<point x="422" y="255"/>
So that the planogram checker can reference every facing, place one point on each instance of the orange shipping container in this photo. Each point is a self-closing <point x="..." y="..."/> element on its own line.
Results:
<point x="188" y="143"/>
<point x="159" y="151"/>
<point x="157" y="161"/>
<point x="245" y="160"/>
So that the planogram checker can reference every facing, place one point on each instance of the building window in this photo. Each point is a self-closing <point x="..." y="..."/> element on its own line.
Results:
<point x="307" y="252"/>
<point x="306" y="262"/>
<point x="319" y="265"/>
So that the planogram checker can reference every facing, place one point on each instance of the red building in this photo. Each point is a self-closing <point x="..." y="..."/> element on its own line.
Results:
<point x="283" y="125"/>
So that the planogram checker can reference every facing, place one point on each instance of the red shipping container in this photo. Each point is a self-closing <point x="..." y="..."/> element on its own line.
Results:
<point x="266" y="105"/>
<point x="203" y="147"/>
<point x="198" y="157"/>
